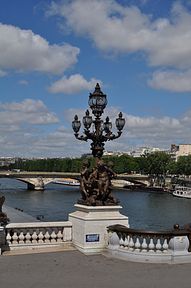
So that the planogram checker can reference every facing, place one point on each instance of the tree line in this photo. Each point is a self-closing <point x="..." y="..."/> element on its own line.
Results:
<point x="156" y="164"/>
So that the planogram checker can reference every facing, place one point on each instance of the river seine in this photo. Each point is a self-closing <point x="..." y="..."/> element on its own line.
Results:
<point x="146" y="210"/>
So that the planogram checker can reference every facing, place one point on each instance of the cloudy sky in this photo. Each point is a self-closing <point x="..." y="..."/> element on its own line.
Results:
<point x="52" y="53"/>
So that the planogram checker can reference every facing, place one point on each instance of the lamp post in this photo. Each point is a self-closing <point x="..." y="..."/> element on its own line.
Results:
<point x="99" y="132"/>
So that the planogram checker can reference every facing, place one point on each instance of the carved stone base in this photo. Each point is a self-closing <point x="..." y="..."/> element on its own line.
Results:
<point x="89" y="226"/>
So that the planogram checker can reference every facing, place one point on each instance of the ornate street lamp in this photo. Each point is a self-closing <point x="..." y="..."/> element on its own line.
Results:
<point x="96" y="185"/>
<point x="101" y="131"/>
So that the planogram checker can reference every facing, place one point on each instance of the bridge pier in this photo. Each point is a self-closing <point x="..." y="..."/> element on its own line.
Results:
<point x="37" y="184"/>
<point x="37" y="187"/>
<point x="34" y="183"/>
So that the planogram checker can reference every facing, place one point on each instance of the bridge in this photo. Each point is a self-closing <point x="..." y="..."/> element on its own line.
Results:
<point x="37" y="180"/>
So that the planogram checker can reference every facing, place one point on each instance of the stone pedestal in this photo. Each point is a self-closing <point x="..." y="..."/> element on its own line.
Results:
<point x="89" y="226"/>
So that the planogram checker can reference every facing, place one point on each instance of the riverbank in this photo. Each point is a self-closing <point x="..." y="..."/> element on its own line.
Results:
<point x="155" y="189"/>
<point x="143" y="189"/>
<point x="17" y="216"/>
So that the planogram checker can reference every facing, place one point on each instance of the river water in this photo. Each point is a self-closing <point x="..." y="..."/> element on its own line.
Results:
<point x="146" y="210"/>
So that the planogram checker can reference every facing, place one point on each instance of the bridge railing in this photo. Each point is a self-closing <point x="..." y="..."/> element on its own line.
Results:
<point x="154" y="246"/>
<point x="20" y="235"/>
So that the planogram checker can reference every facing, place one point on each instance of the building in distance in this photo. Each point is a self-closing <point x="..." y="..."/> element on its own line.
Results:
<point x="143" y="151"/>
<point x="180" y="150"/>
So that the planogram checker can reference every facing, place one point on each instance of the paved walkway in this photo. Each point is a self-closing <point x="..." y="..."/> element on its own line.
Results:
<point x="72" y="269"/>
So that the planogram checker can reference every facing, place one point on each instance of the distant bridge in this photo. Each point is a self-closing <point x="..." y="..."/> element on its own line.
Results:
<point x="37" y="180"/>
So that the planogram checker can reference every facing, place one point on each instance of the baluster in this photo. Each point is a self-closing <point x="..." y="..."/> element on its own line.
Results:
<point x="131" y="243"/>
<point x="126" y="242"/>
<point x="151" y="244"/>
<point x="28" y="238"/>
<point x="137" y="243"/>
<point x="165" y="246"/>
<point x="158" y="245"/>
<point x="144" y="245"/>
<point x="53" y="237"/>
<point x="56" y="232"/>
<point x="40" y="237"/>
<point x="34" y="237"/>
<point x="60" y="236"/>
<point x="47" y="237"/>
<point x="15" y="238"/>
<point x="121" y="241"/>
<point x="21" y="238"/>
<point x="8" y="238"/>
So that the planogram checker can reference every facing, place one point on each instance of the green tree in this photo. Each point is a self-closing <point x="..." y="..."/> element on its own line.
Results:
<point x="172" y="168"/>
<point x="123" y="163"/>
<point x="157" y="165"/>
<point x="184" y="165"/>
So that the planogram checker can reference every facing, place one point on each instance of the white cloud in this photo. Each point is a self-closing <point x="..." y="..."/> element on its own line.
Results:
<point x="22" y="50"/>
<point x="159" y="132"/>
<point x="23" y="82"/>
<point x="21" y="126"/>
<point x="151" y="131"/>
<point x="28" y="111"/>
<point x="125" y="29"/>
<point x="74" y="84"/>
<point x="2" y="73"/>
<point x="118" y="28"/>
<point x="175" y="81"/>
<point x="61" y="142"/>
<point x="20" y="136"/>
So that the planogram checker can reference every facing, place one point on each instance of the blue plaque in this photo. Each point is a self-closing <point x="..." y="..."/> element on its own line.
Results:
<point x="92" y="238"/>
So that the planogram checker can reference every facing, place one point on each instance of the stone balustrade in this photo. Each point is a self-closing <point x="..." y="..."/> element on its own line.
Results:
<point x="153" y="246"/>
<point x="37" y="234"/>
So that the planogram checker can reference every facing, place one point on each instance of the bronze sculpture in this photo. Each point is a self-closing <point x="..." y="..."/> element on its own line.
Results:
<point x="96" y="185"/>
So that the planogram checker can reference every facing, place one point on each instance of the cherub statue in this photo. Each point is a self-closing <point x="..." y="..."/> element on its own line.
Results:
<point x="96" y="185"/>
<point x="84" y="181"/>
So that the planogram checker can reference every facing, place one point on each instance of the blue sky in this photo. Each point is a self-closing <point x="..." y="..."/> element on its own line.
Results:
<point x="52" y="53"/>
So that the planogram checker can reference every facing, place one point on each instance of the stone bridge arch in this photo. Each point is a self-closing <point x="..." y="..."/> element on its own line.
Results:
<point x="36" y="183"/>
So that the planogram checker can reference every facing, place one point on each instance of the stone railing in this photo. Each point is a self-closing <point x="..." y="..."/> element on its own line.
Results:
<point x="37" y="234"/>
<point x="153" y="246"/>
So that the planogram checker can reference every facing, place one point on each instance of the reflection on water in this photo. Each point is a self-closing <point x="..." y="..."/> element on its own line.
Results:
<point x="147" y="210"/>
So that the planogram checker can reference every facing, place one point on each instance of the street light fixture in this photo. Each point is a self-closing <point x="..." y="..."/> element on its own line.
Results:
<point x="96" y="184"/>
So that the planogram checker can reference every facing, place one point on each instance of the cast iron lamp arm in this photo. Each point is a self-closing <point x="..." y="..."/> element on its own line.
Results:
<point x="89" y="135"/>
<point x="113" y="136"/>
<point x="82" y="137"/>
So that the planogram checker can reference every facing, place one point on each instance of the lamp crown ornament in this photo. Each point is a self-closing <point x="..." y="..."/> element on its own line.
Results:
<point x="97" y="101"/>
<point x="96" y="184"/>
